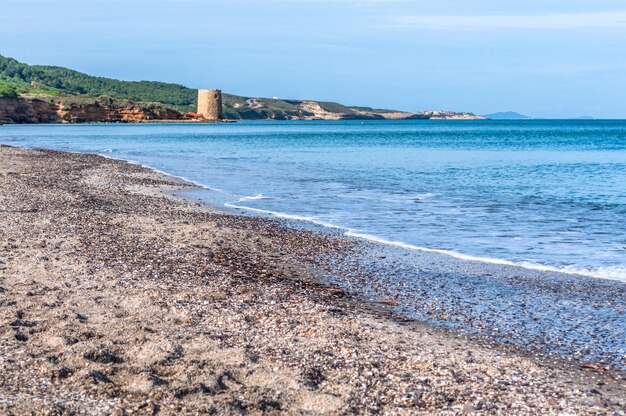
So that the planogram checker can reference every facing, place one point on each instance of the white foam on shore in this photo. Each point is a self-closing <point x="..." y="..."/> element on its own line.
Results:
<point x="610" y="272"/>
<point x="286" y="216"/>
<point x="254" y="198"/>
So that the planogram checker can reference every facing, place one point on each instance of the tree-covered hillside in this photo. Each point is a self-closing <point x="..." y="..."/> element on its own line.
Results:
<point x="54" y="79"/>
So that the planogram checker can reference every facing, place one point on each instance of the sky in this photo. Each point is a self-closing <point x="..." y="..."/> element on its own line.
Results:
<point x="543" y="58"/>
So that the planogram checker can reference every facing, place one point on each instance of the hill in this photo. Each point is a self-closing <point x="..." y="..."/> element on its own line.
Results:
<point x="57" y="81"/>
<point x="18" y="79"/>
<point x="507" y="115"/>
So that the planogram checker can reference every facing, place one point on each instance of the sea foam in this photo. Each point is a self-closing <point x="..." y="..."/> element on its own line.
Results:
<point x="610" y="272"/>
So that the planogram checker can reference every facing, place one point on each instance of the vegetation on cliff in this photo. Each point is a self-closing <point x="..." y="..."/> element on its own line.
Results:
<point x="8" y="90"/>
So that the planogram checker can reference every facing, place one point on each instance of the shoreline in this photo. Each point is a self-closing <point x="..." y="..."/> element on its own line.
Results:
<point x="371" y="238"/>
<point x="118" y="295"/>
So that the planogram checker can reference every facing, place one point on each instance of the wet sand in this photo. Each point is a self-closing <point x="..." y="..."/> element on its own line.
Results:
<point x="567" y="315"/>
<point x="117" y="297"/>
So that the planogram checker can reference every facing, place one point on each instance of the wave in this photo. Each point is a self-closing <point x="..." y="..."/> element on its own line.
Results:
<point x="254" y="198"/>
<point x="287" y="216"/>
<point x="608" y="272"/>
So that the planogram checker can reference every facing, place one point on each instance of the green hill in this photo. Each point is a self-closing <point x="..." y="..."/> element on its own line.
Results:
<point x="54" y="80"/>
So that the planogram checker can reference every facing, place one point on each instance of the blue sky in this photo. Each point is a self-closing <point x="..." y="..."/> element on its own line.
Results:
<point x="550" y="58"/>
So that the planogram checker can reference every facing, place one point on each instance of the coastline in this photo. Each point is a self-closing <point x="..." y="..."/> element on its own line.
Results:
<point x="117" y="295"/>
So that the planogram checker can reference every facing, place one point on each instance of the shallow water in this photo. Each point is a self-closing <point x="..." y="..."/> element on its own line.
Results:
<point x="548" y="195"/>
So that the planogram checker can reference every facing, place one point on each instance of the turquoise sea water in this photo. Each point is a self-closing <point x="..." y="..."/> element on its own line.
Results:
<point x="541" y="194"/>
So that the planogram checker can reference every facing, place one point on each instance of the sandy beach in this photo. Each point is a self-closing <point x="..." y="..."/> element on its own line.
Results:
<point x="117" y="297"/>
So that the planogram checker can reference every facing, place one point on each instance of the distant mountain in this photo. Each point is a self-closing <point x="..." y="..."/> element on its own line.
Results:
<point x="507" y="115"/>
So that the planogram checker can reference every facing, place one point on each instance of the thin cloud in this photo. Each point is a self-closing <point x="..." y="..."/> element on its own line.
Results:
<point x="549" y="21"/>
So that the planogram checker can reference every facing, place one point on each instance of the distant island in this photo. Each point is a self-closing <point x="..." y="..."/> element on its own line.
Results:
<point x="52" y="94"/>
<point x="507" y="115"/>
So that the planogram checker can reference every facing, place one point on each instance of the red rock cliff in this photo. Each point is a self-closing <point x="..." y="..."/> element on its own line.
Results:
<point x="80" y="110"/>
<point x="21" y="110"/>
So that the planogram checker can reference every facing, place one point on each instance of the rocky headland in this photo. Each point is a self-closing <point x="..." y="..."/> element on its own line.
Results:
<point x="45" y="94"/>
<point x="29" y="109"/>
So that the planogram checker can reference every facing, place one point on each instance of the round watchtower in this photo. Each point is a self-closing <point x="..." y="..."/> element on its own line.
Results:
<point x="210" y="104"/>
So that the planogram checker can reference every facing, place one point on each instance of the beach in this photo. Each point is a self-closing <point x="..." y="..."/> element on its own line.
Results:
<point x="118" y="297"/>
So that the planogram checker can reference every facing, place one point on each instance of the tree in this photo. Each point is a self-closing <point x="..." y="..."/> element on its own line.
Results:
<point x="8" y="91"/>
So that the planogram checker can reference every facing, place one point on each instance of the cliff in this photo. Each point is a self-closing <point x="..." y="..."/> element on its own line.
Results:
<point x="21" y="110"/>
<point x="46" y="109"/>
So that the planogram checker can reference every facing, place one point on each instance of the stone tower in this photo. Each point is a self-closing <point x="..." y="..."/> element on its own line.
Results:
<point x="210" y="104"/>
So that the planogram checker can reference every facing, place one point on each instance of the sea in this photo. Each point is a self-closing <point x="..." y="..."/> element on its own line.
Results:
<point x="541" y="194"/>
